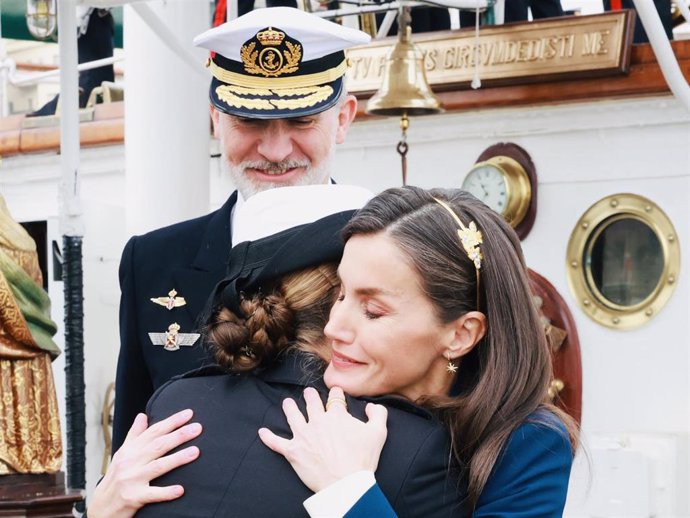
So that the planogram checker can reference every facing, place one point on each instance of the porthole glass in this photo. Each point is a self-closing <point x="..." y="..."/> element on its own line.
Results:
<point x="625" y="260"/>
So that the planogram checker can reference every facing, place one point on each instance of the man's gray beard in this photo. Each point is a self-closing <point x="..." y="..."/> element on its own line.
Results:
<point x="249" y="187"/>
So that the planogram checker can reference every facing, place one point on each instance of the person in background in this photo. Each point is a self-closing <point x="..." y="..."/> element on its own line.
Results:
<point x="519" y="10"/>
<point x="423" y="19"/>
<point x="279" y="107"/>
<point x="96" y="29"/>
<point x="663" y="7"/>
<point x="220" y="13"/>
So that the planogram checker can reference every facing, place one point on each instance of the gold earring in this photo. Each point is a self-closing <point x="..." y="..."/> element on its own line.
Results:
<point x="451" y="367"/>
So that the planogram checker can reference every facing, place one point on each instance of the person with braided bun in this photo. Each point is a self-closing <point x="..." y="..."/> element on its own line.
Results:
<point x="288" y="316"/>
<point x="265" y="328"/>
<point x="435" y="308"/>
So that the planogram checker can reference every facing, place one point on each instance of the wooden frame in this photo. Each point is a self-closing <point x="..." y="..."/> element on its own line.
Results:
<point x="567" y="361"/>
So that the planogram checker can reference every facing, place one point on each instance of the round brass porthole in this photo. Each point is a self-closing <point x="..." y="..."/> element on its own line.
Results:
<point x="623" y="261"/>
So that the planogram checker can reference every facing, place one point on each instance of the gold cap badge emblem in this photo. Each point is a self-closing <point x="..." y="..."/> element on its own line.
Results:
<point x="271" y="53"/>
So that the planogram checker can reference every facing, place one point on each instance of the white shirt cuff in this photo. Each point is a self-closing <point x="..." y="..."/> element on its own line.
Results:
<point x="338" y="498"/>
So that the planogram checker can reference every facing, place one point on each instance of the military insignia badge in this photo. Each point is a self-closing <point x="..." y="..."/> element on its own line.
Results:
<point x="271" y="53"/>
<point x="172" y="339"/>
<point x="171" y="301"/>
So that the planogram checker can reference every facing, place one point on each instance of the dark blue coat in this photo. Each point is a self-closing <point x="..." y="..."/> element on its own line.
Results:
<point x="237" y="476"/>
<point x="530" y="479"/>
<point x="189" y="257"/>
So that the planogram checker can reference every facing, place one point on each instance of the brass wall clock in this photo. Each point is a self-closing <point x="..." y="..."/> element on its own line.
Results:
<point x="504" y="177"/>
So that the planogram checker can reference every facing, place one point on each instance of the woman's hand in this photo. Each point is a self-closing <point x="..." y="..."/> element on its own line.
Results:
<point x="331" y="444"/>
<point x="125" y="487"/>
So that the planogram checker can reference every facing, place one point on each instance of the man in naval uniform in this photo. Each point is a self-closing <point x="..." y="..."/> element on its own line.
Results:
<point x="279" y="107"/>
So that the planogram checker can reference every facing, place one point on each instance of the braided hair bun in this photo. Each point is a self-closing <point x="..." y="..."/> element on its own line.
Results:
<point x="291" y="312"/>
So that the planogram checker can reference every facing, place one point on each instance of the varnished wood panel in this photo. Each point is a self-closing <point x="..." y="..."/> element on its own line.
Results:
<point x="644" y="79"/>
<point x="43" y="496"/>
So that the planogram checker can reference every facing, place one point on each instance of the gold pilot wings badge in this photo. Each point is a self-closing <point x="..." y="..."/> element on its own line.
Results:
<point x="172" y="339"/>
<point x="171" y="301"/>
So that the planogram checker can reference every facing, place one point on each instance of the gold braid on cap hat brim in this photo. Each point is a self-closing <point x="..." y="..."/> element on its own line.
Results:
<point x="273" y="83"/>
<point x="304" y="97"/>
<point x="470" y="238"/>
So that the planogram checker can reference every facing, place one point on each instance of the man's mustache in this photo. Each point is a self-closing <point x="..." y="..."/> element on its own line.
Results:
<point x="276" y="167"/>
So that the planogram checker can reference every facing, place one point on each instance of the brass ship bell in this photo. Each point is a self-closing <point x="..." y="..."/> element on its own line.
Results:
<point x="405" y="90"/>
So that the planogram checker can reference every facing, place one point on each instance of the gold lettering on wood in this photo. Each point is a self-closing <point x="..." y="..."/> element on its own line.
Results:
<point x="557" y="47"/>
<point x="594" y="43"/>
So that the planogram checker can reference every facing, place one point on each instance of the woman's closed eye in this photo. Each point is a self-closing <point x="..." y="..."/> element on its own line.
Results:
<point x="372" y="312"/>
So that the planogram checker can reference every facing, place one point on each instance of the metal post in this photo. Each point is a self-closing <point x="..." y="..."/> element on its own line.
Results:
<point x="71" y="226"/>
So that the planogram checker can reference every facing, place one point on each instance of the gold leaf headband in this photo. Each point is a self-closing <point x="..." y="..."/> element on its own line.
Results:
<point x="471" y="238"/>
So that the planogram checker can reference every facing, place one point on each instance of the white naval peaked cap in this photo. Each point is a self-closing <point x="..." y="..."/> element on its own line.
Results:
<point x="277" y="63"/>
<point x="274" y="210"/>
<point x="318" y="37"/>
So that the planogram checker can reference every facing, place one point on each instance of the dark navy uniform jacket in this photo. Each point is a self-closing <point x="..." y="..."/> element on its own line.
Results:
<point x="189" y="257"/>
<point x="236" y="476"/>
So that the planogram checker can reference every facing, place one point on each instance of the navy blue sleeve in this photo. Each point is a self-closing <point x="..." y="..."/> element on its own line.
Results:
<point x="530" y="480"/>
<point x="133" y="385"/>
<point x="372" y="504"/>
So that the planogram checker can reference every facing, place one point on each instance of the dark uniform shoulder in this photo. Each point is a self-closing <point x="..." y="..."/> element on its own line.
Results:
<point x="187" y="388"/>
<point x="190" y="229"/>
<point x="189" y="377"/>
<point x="189" y="232"/>
<point x="206" y="370"/>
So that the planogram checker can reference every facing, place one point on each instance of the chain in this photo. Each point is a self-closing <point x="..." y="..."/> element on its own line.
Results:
<point x="402" y="146"/>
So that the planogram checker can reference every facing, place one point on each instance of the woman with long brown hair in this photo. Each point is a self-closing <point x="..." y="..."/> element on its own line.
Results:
<point x="434" y="306"/>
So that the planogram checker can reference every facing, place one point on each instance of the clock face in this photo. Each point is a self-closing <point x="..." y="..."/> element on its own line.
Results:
<point x="488" y="184"/>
